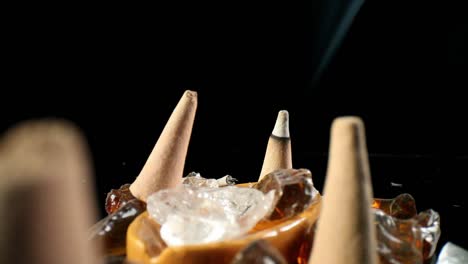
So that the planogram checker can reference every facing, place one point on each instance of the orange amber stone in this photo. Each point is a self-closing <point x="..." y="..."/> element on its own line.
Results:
<point x="403" y="235"/>
<point x="117" y="198"/>
<point x="402" y="207"/>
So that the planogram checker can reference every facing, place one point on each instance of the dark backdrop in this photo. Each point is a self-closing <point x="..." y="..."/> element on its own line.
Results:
<point x="117" y="71"/>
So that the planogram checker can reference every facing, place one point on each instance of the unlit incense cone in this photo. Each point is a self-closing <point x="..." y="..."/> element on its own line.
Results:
<point x="165" y="165"/>
<point x="346" y="231"/>
<point x="47" y="198"/>
<point x="278" y="153"/>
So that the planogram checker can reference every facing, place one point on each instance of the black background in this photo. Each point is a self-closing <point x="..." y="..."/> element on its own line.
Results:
<point x="401" y="68"/>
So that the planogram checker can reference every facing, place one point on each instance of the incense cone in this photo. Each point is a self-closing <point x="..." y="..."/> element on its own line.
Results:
<point x="47" y="201"/>
<point x="165" y="165"/>
<point x="346" y="232"/>
<point x="278" y="153"/>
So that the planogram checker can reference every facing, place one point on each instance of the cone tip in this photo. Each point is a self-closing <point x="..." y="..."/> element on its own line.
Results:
<point x="190" y="94"/>
<point x="281" y="128"/>
<point x="348" y="122"/>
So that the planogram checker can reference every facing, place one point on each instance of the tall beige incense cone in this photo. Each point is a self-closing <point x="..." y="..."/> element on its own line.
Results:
<point x="346" y="232"/>
<point x="278" y="153"/>
<point x="165" y="165"/>
<point x="46" y="196"/>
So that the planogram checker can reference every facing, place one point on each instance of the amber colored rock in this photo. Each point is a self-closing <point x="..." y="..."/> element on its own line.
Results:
<point x="398" y="242"/>
<point x="407" y="241"/>
<point x="117" y="198"/>
<point x="259" y="252"/>
<point x="404" y="236"/>
<point x="112" y="230"/>
<point x="429" y="224"/>
<point x="294" y="191"/>
<point x="402" y="207"/>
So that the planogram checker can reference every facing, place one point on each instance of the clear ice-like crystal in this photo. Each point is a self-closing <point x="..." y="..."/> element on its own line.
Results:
<point x="191" y="215"/>
<point x="294" y="191"/>
<point x="194" y="179"/>
<point x="259" y="252"/>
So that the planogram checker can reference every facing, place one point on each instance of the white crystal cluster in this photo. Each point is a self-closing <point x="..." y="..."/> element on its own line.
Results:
<point x="194" y="215"/>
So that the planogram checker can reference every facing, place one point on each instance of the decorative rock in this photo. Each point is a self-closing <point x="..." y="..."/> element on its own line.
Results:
<point x="189" y="215"/>
<point x="294" y="191"/>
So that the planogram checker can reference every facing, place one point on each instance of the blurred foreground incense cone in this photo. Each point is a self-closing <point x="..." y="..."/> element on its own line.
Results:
<point x="46" y="195"/>
<point x="165" y="165"/>
<point x="346" y="231"/>
<point x="278" y="153"/>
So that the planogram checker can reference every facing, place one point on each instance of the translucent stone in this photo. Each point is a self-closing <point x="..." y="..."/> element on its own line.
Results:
<point x="194" y="179"/>
<point x="407" y="241"/>
<point x="452" y="254"/>
<point x="112" y="230"/>
<point x="190" y="215"/>
<point x="259" y="252"/>
<point x="429" y="223"/>
<point x="403" y="206"/>
<point x="117" y="198"/>
<point x="294" y="191"/>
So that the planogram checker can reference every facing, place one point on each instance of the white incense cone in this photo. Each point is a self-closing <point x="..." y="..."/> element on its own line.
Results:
<point x="47" y="198"/>
<point x="278" y="153"/>
<point x="165" y="165"/>
<point x="346" y="232"/>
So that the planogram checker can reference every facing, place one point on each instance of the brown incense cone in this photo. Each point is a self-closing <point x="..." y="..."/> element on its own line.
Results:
<point x="46" y="201"/>
<point x="165" y="165"/>
<point x="278" y="153"/>
<point x="346" y="231"/>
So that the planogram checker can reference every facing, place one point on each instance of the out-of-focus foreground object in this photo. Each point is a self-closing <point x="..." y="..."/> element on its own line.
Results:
<point x="452" y="254"/>
<point x="46" y="197"/>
